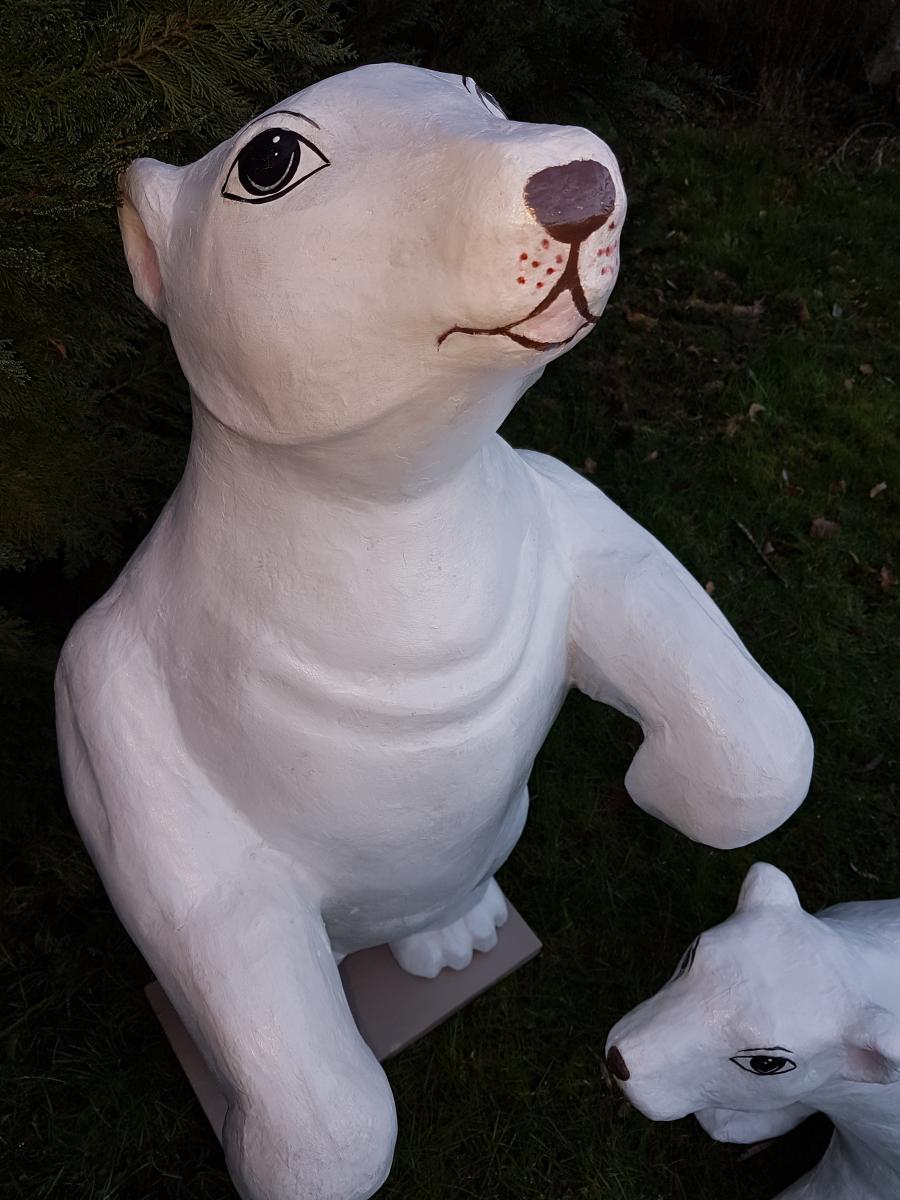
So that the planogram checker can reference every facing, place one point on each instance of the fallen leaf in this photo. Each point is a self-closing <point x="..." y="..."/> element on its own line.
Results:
<point x="747" y="311"/>
<point x="709" y="587"/>
<point x="651" y="457"/>
<point x="823" y="528"/>
<point x="733" y="424"/>
<point x="59" y="347"/>
<point x="768" y="548"/>
<point x="887" y="579"/>
<point x="750" y="311"/>
<point x="640" y="320"/>
<point x="803" y="315"/>
<point x="837" y="312"/>
<point x="872" y="764"/>
<point x="866" y="368"/>
<point x="590" y="466"/>
<point x="849" y="384"/>
<point x="754" y="410"/>
<point x="877" y="490"/>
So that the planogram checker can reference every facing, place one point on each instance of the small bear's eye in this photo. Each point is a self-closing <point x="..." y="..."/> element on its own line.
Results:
<point x="270" y="165"/>
<point x="764" y="1064"/>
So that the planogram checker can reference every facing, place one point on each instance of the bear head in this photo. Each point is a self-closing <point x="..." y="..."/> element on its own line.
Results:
<point x="768" y="1009"/>
<point x="382" y="250"/>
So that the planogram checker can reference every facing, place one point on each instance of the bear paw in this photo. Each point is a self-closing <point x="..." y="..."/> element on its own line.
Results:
<point x="428" y="952"/>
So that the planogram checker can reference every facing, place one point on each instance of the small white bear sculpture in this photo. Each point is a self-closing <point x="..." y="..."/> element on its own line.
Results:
<point x="303" y="719"/>
<point x="771" y="1016"/>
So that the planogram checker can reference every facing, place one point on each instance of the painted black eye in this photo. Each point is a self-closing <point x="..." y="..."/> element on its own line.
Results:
<point x="764" y="1064"/>
<point x="270" y="165"/>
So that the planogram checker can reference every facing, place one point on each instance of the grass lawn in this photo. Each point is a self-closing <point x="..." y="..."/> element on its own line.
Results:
<point x="742" y="386"/>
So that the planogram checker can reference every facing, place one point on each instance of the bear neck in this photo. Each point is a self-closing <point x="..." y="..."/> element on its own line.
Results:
<point x="278" y="498"/>
<point x="416" y="447"/>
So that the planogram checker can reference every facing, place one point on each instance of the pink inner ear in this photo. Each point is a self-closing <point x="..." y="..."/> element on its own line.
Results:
<point x="142" y="259"/>
<point x="869" y="1066"/>
<point x="152" y="279"/>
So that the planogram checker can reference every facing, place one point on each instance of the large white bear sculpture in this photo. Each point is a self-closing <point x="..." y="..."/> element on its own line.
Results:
<point x="303" y="719"/>
<point x="771" y="1016"/>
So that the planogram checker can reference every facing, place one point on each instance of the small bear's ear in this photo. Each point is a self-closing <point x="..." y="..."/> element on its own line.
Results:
<point x="766" y="886"/>
<point x="147" y="193"/>
<point x="873" y="1047"/>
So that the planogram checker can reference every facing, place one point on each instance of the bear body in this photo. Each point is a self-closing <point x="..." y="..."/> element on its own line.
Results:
<point x="771" y="1016"/>
<point x="303" y="719"/>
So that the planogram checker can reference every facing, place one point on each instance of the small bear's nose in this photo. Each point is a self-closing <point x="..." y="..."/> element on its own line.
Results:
<point x="573" y="200"/>
<point x="616" y="1064"/>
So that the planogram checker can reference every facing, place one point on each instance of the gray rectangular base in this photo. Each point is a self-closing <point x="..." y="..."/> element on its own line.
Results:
<point x="391" y="1008"/>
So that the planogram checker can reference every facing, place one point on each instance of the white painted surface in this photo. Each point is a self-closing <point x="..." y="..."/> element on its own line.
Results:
<point x="776" y="1014"/>
<point x="303" y="719"/>
<point x="391" y="1007"/>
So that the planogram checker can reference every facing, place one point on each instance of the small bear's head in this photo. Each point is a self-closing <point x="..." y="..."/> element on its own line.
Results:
<point x="765" y="1010"/>
<point x="385" y="242"/>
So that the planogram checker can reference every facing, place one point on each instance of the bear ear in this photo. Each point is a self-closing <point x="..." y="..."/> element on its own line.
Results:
<point x="147" y="193"/>
<point x="766" y="886"/>
<point x="873" y="1047"/>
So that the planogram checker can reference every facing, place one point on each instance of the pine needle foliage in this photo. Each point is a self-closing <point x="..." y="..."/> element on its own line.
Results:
<point x="92" y="406"/>
<point x="544" y="60"/>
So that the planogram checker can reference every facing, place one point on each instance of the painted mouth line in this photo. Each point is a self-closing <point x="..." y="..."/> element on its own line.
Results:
<point x="568" y="281"/>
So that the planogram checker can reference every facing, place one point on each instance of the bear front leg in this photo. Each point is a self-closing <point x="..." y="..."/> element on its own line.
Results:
<point x="726" y="756"/>
<point x="310" y="1111"/>
<point x="234" y="935"/>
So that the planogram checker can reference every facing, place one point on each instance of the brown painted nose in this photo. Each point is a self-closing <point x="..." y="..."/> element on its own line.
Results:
<point x="573" y="200"/>
<point x="616" y="1064"/>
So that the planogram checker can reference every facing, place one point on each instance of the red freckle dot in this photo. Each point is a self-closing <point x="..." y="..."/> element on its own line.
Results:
<point x="612" y="224"/>
<point x="535" y="262"/>
<point x="521" y="279"/>
<point x="538" y="285"/>
<point x="545" y="244"/>
<point x="550" y="271"/>
<point x="523" y="258"/>
<point x="559" y="258"/>
<point x="600" y="251"/>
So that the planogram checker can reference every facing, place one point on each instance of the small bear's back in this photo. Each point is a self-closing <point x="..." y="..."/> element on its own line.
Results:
<point x="873" y="918"/>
